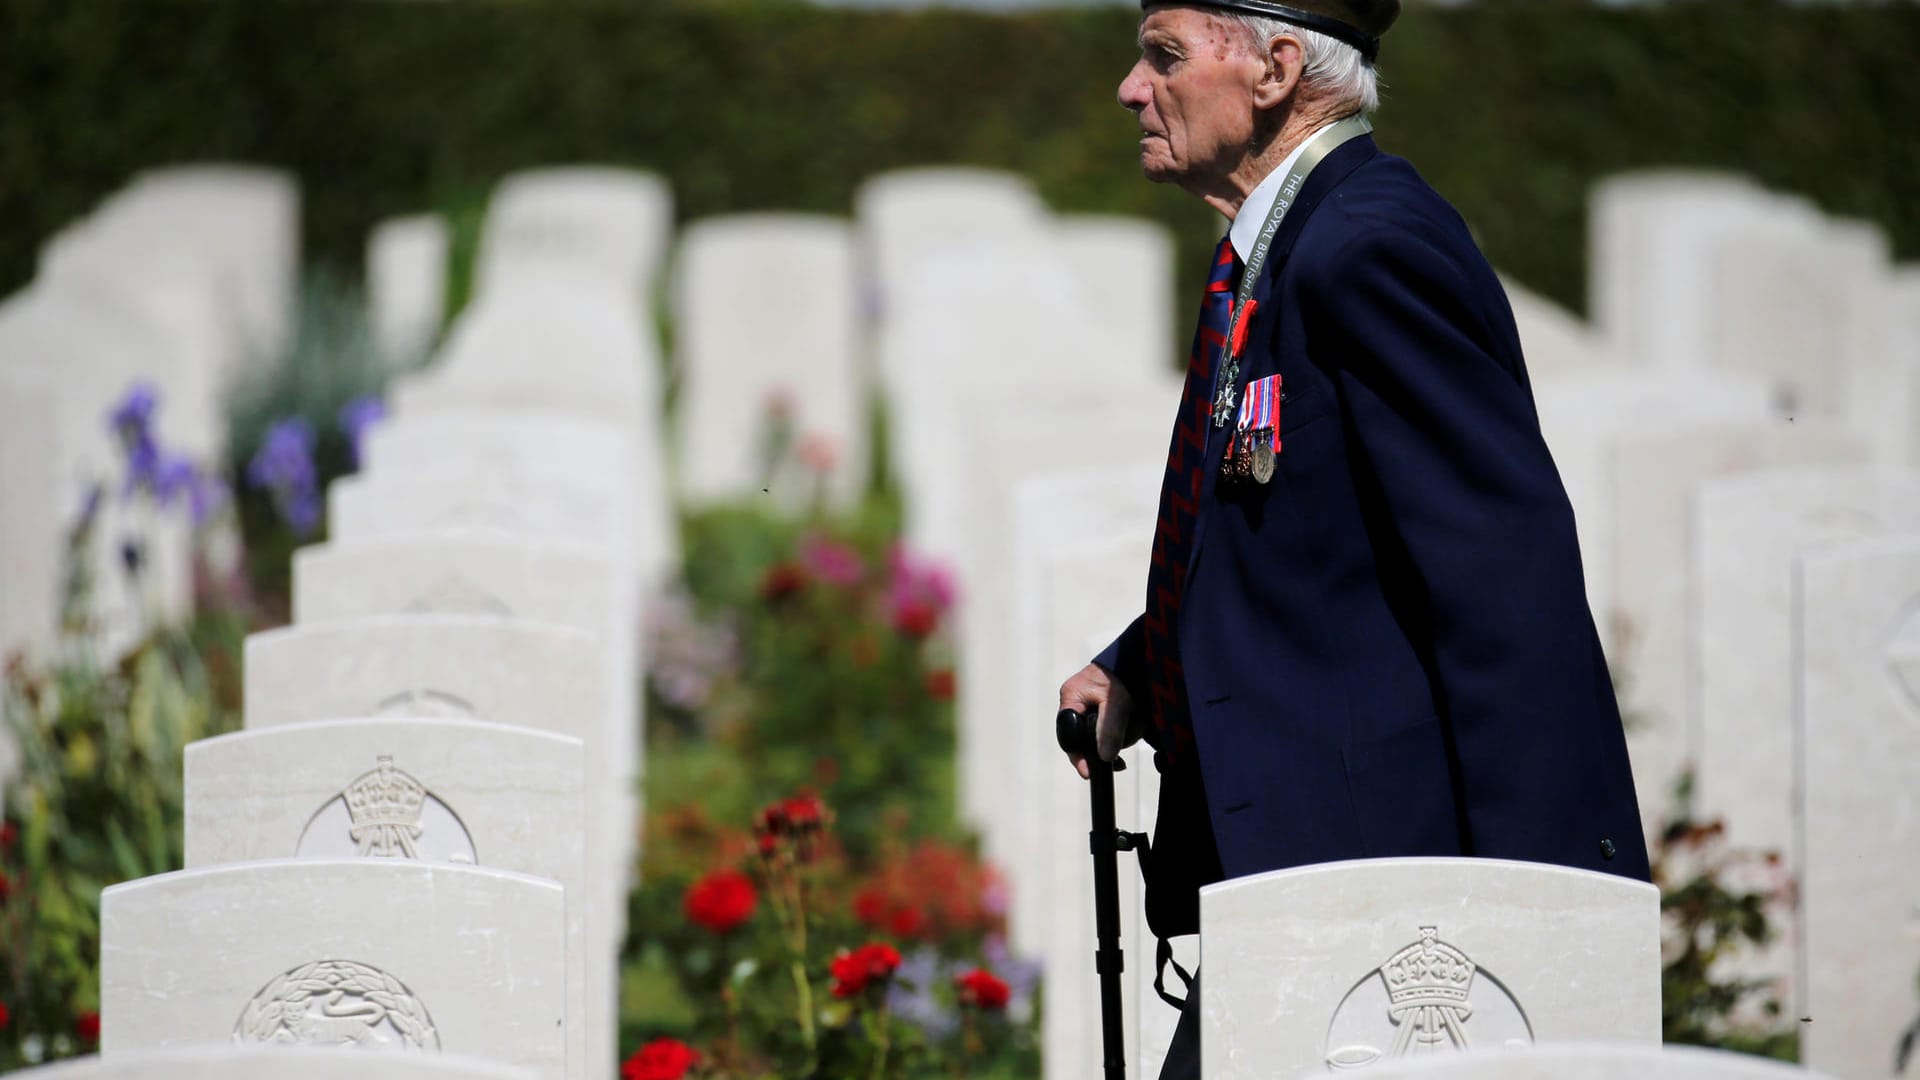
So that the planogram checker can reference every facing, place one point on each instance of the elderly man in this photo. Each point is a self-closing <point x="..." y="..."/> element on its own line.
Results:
<point x="1365" y="631"/>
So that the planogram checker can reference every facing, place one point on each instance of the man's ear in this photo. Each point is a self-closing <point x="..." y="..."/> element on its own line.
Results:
<point x="1285" y="57"/>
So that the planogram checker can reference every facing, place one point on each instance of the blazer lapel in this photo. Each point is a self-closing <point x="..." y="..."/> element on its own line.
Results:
<point x="1337" y="167"/>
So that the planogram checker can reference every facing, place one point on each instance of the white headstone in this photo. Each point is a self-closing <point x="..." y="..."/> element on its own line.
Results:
<point x="1089" y="593"/>
<point x="407" y="284"/>
<point x="234" y="1062"/>
<point x="39" y="508"/>
<point x="1554" y="340"/>
<point x="370" y="952"/>
<point x="1342" y="965"/>
<point x="1859" y="741"/>
<point x="1653" y="475"/>
<point x="768" y="321"/>
<point x="1126" y="267"/>
<point x="1653" y="240"/>
<point x="366" y="507"/>
<point x="450" y="791"/>
<point x="1747" y="531"/>
<point x="999" y="442"/>
<point x="1594" y="1061"/>
<point x="610" y="223"/>
<point x="1039" y="518"/>
<point x="245" y="216"/>
<point x="1582" y="415"/>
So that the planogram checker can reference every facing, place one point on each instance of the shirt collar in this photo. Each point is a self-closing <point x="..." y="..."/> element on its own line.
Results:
<point x="1245" y="230"/>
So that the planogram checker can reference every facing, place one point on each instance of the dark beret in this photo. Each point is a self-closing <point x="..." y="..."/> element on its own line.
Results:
<point x="1359" y="23"/>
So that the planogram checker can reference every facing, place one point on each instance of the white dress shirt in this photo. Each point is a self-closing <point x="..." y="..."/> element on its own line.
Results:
<point x="1245" y="230"/>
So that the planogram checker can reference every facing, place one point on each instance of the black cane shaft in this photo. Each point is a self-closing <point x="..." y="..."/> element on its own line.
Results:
<point x="1109" y="960"/>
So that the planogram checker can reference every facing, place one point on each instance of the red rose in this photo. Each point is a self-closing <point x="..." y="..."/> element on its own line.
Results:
<point x="661" y="1059"/>
<point x="6" y="887"/>
<point x="804" y="811"/>
<point x="9" y="832"/>
<point x="868" y="965"/>
<point x="980" y="989"/>
<point x="907" y="921"/>
<point x="782" y="580"/>
<point x="916" y="618"/>
<point x="721" y="901"/>
<point x="4" y="1015"/>
<point x="940" y="685"/>
<point x="87" y="1026"/>
<point x="870" y="906"/>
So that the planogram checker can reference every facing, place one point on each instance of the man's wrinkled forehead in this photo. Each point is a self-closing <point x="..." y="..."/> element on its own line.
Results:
<point x="1185" y="24"/>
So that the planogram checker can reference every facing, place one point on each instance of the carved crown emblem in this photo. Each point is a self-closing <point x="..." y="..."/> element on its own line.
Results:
<point x="1428" y="974"/>
<point x="385" y="806"/>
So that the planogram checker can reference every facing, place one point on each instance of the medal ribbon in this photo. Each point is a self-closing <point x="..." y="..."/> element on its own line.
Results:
<point x="1316" y="151"/>
<point x="1260" y="410"/>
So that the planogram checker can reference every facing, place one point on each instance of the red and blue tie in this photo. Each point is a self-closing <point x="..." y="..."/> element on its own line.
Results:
<point x="1167" y="712"/>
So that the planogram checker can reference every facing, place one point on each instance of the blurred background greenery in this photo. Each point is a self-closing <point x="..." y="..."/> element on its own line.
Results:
<point x="1512" y="109"/>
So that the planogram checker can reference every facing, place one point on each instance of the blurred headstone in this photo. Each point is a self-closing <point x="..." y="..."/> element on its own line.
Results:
<point x="1126" y="267"/>
<point x="226" y="1061"/>
<point x="407" y="260"/>
<point x="1594" y="1061"/>
<point x="1859" y="737"/>
<point x="608" y="223"/>
<point x="769" y="353"/>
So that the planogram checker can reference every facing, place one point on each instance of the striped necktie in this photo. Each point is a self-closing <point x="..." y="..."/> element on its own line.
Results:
<point x="1171" y="723"/>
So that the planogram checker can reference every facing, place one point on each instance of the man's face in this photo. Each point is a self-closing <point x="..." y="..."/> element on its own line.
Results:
<point x="1192" y="91"/>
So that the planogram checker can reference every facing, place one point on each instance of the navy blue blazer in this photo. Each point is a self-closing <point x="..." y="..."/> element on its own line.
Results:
<point x="1388" y="649"/>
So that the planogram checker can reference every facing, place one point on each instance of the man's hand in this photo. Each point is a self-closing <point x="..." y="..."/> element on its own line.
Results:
<point x="1115" y="730"/>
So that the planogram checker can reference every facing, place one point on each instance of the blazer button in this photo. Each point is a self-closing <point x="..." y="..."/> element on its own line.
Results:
<point x="1606" y="848"/>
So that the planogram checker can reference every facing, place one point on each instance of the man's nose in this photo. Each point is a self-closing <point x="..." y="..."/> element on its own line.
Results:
<point x="1134" y="92"/>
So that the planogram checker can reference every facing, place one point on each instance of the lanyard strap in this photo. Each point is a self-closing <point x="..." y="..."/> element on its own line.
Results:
<point x="1316" y="151"/>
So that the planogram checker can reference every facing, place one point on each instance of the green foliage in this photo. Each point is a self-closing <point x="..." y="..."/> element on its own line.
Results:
<point x="1511" y="109"/>
<point x="97" y="801"/>
<point x="1718" y="904"/>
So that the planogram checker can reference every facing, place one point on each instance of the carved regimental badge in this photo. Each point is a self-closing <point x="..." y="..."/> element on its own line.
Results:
<point x="337" y="1003"/>
<point x="1428" y="997"/>
<point x="386" y="813"/>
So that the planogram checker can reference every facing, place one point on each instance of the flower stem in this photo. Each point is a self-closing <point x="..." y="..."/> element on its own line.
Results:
<point x="805" y="990"/>
<point x="877" y="1030"/>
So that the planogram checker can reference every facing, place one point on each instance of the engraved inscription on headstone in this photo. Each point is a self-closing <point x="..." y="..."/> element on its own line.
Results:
<point x="337" y="1003"/>
<point x="427" y="703"/>
<point x="455" y="595"/>
<point x="1429" y="997"/>
<point x="386" y="813"/>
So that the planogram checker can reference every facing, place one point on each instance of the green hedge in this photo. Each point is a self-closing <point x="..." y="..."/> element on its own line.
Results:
<point x="1512" y="109"/>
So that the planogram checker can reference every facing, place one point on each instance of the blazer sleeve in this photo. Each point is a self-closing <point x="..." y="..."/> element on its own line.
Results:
<point x="1449" y="441"/>
<point x="1123" y="659"/>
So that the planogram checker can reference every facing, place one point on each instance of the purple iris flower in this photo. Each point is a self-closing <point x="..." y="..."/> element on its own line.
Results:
<point x="356" y="417"/>
<point x="912" y="996"/>
<point x="143" y="462"/>
<point x="134" y="413"/>
<point x="283" y="466"/>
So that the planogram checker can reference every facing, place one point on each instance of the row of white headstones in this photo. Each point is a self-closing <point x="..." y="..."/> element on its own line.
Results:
<point x="1021" y="355"/>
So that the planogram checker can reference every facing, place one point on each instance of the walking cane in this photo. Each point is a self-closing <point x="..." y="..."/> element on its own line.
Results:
<point x="1075" y="732"/>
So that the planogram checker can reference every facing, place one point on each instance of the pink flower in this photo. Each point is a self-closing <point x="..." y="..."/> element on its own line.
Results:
<point x="818" y="451"/>
<point x="918" y="592"/>
<point x="832" y="562"/>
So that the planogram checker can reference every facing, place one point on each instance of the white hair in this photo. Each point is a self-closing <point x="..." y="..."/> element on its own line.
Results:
<point x="1330" y="65"/>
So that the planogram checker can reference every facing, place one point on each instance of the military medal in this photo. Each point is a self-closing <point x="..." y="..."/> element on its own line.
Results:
<point x="1256" y="442"/>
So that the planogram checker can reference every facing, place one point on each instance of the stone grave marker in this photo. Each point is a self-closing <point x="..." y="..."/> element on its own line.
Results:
<point x="1126" y="267"/>
<point x="247" y="217"/>
<point x="375" y="953"/>
<point x="1342" y="965"/>
<point x="1073" y="511"/>
<point x="1813" y="314"/>
<point x="1001" y="440"/>
<point x="1653" y="237"/>
<point x="610" y="223"/>
<point x="434" y="501"/>
<point x="1653" y="475"/>
<point x="1089" y="593"/>
<point x="1858" y="741"/>
<point x="407" y="284"/>
<point x="236" y="1062"/>
<point x="39" y="509"/>
<point x="1582" y="415"/>
<point x="1594" y="1061"/>
<point x="450" y="791"/>
<point x="1747" y="530"/>
<point x="768" y="324"/>
<point x="1554" y="340"/>
<point x="905" y="215"/>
